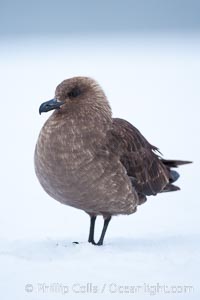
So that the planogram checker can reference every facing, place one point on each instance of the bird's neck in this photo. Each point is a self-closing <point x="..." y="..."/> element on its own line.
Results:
<point x="79" y="127"/>
<point x="97" y="118"/>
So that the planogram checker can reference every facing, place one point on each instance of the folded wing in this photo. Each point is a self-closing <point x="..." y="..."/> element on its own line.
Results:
<point x="146" y="170"/>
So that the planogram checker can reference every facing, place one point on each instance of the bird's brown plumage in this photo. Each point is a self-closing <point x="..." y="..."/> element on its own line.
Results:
<point x="86" y="159"/>
<point x="149" y="174"/>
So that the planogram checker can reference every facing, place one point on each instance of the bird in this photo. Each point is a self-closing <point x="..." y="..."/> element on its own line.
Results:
<point x="86" y="159"/>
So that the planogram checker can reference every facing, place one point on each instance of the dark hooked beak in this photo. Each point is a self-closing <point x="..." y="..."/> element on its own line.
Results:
<point x="50" y="105"/>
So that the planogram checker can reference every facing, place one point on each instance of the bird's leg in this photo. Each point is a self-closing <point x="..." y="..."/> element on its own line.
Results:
<point x="105" y="226"/>
<point x="91" y="233"/>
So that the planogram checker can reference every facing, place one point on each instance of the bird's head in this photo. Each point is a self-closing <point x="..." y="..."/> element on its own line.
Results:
<point x="78" y="94"/>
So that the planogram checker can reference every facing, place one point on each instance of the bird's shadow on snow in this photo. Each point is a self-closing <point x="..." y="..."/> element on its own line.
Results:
<point x="59" y="249"/>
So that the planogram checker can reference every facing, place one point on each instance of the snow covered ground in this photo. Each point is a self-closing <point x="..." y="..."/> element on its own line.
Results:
<point x="154" y="83"/>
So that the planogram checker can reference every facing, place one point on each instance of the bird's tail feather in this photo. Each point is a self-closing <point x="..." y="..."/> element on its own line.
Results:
<point x="172" y="163"/>
<point x="173" y="175"/>
<point x="170" y="188"/>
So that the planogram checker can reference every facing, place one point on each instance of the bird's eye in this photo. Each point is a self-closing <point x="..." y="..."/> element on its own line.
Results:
<point x="75" y="92"/>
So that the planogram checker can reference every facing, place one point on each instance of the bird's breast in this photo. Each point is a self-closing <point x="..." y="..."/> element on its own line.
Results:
<point x="71" y="170"/>
<point x="66" y="159"/>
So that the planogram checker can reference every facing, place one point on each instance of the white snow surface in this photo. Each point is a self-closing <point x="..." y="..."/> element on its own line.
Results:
<point x="153" y="82"/>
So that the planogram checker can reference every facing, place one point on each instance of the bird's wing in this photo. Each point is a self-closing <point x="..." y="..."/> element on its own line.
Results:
<point x="147" y="172"/>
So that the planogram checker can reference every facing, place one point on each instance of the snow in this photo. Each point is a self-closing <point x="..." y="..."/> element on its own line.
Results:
<point x="154" y="83"/>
